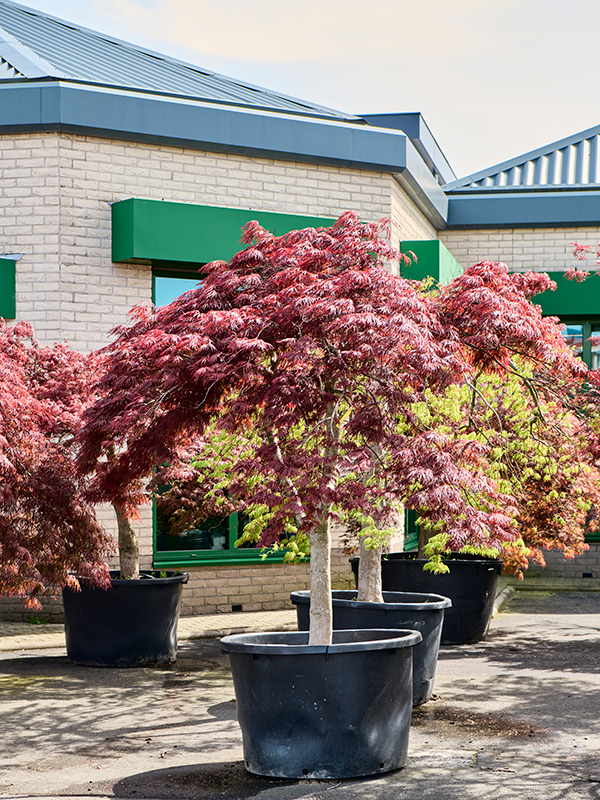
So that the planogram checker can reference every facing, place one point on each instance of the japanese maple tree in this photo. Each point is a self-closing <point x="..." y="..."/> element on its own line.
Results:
<point x="538" y="452"/>
<point x="47" y="529"/>
<point x="311" y="344"/>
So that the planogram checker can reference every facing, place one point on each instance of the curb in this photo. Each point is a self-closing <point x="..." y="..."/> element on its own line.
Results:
<point x="501" y="598"/>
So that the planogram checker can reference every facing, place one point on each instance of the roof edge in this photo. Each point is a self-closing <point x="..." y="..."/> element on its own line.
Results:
<point x="67" y="106"/>
<point x="518" y="160"/>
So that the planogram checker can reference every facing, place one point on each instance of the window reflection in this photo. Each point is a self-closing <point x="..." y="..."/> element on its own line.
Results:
<point x="167" y="289"/>
<point x="595" y="354"/>
<point x="213" y="535"/>
<point x="573" y="335"/>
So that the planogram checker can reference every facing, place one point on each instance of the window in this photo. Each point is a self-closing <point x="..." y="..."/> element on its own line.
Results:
<point x="577" y="334"/>
<point x="213" y="542"/>
<point x="168" y="284"/>
<point x="411" y="530"/>
<point x="573" y="336"/>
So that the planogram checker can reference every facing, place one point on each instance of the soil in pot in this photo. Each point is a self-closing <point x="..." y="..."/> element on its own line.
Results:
<point x="337" y="711"/>
<point x="470" y="584"/>
<point x="132" y="624"/>
<point x="402" y="610"/>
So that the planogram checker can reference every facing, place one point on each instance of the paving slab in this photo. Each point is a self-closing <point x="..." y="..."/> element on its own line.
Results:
<point x="516" y="716"/>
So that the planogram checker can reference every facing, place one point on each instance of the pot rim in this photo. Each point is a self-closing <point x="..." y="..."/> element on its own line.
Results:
<point x="290" y="643"/>
<point x="437" y="602"/>
<point x="452" y="558"/>
<point x="145" y="579"/>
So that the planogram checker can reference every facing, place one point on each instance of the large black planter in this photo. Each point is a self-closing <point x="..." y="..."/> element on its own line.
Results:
<point x="132" y="624"/>
<point x="416" y="612"/>
<point x="339" y="711"/>
<point x="470" y="584"/>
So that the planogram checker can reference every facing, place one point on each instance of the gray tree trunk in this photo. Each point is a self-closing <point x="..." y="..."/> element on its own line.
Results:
<point x="369" y="574"/>
<point x="321" y="614"/>
<point x="129" y="549"/>
<point x="424" y="535"/>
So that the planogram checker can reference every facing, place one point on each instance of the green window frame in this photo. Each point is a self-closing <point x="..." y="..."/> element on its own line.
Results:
<point x="197" y="556"/>
<point x="590" y="355"/>
<point x="8" y="296"/>
<point x="590" y="326"/>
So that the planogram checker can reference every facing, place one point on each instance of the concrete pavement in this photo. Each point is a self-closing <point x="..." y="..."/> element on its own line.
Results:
<point x="16" y="636"/>
<point x="516" y="716"/>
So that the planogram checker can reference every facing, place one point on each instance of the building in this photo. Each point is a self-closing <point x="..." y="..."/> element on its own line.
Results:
<point x="123" y="171"/>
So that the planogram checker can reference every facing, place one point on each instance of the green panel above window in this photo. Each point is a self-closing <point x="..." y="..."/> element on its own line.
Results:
<point x="152" y="230"/>
<point x="7" y="289"/>
<point x="571" y="299"/>
<point x="433" y="260"/>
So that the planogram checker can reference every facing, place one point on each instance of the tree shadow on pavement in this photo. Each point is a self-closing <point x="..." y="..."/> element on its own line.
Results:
<point x="214" y="782"/>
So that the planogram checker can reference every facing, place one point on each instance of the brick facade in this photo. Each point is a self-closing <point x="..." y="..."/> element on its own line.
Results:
<point x="55" y="195"/>
<point x="521" y="249"/>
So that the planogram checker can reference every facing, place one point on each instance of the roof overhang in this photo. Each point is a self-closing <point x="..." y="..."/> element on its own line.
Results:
<point x="524" y="209"/>
<point x="418" y="131"/>
<point x="57" y="105"/>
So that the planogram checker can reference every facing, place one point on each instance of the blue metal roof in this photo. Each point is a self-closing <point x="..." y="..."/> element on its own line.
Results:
<point x="36" y="45"/>
<point x="554" y="186"/>
<point x="570" y="163"/>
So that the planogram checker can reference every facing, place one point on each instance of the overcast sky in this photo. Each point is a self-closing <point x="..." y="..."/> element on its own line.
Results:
<point x="493" y="78"/>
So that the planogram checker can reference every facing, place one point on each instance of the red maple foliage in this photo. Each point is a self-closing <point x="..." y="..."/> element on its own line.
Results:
<point x="313" y="345"/>
<point x="47" y="529"/>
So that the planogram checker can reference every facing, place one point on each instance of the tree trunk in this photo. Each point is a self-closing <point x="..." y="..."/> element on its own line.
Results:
<point x="369" y="573"/>
<point x="424" y="534"/>
<point x="321" y="614"/>
<point x="129" y="550"/>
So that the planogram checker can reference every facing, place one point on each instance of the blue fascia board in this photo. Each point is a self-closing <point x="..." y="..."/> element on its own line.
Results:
<point x="421" y="185"/>
<point x="102" y="111"/>
<point x="20" y="107"/>
<point x="418" y="131"/>
<point x="525" y="210"/>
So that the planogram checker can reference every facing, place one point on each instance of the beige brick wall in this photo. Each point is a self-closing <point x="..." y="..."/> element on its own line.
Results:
<point x="264" y="587"/>
<point x="55" y="197"/>
<point x="535" y="249"/>
<point x="408" y="223"/>
<point x="557" y="566"/>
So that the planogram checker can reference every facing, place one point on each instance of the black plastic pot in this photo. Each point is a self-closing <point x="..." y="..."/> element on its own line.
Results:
<point x="416" y="612"/>
<point x="132" y="624"/>
<point x="470" y="584"/>
<point x="340" y="711"/>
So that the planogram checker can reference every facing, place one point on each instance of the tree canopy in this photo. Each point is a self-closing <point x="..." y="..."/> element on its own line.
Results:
<point x="317" y="357"/>
<point x="47" y="529"/>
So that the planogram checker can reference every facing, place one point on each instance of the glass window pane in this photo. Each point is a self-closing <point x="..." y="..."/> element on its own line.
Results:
<point x="212" y="535"/>
<point x="595" y="355"/>
<point x="168" y="289"/>
<point x="573" y="335"/>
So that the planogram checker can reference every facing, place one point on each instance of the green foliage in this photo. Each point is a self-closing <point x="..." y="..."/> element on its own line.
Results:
<point x="365" y="528"/>
<point x="536" y="452"/>
<point x="294" y="543"/>
<point x="484" y="552"/>
<point x="436" y="565"/>
<point x="297" y="548"/>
